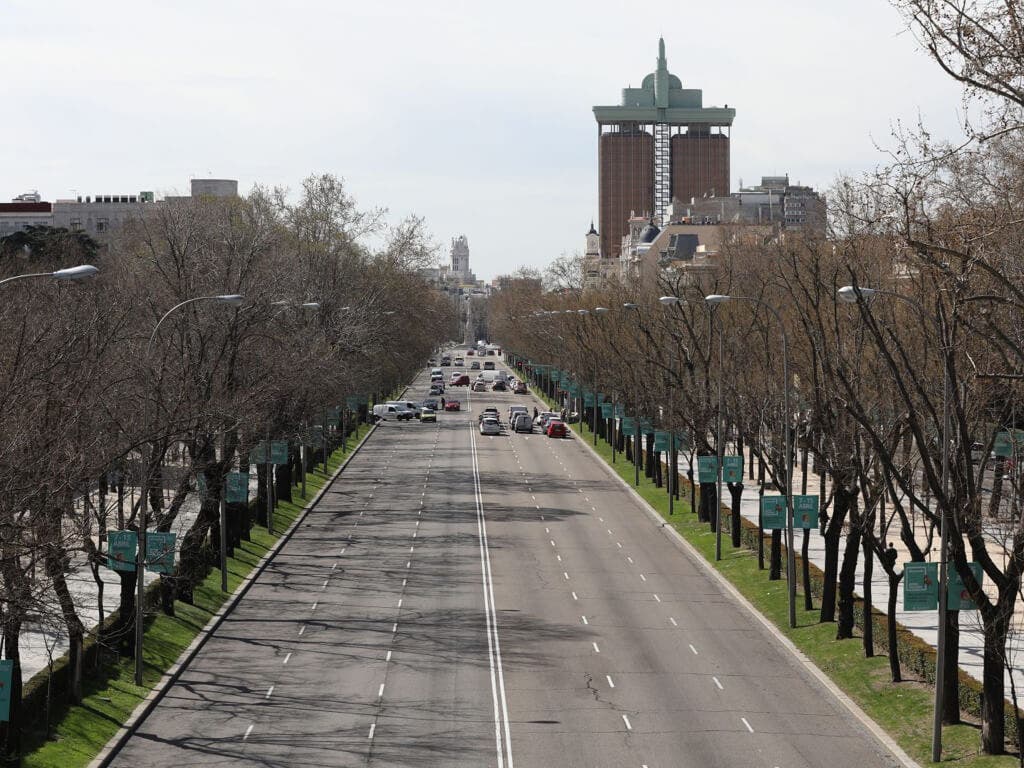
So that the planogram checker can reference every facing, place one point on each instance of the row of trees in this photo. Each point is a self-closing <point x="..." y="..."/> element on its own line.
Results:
<point x="93" y="400"/>
<point x="938" y="233"/>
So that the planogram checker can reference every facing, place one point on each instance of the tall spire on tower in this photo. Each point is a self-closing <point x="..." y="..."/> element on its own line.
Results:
<point x="661" y="77"/>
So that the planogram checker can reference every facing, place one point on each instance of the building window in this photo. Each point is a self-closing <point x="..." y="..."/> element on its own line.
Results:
<point x="102" y="225"/>
<point x="76" y="225"/>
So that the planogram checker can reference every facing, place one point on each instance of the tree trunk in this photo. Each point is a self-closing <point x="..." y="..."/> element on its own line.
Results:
<point x="11" y="730"/>
<point x="124" y="630"/>
<point x="998" y="470"/>
<point x="283" y="482"/>
<point x="261" y="494"/>
<point x="891" y="634"/>
<point x="736" y="521"/>
<point x="869" y="624"/>
<point x="833" y="532"/>
<point x="55" y="560"/>
<point x="847" y="582"/>
<point x="775" y="556"/>
<point x="805" y="568"/>
<point x="993" y="694"/>
<point x="951" y="696"/>
<point x="707" y="498"/>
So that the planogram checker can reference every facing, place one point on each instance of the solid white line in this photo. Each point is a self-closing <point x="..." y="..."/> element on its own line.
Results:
<point x="717" y="683"/>
<point x="625" y="719"/>
<point x="747" y="724"/>
<point x="373" y="727"/>
<point x="673" y="621"/>
<point x="270" y="690"/>
<point x="287" y="656"/>
<point x="609" y="679"/>
<point x="596" y="649"/>
<point x="247" y="732"/>
<point x="491" y="620"/>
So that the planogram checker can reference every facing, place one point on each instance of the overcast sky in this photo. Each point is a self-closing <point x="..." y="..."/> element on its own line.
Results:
<point x="474" y="115"/>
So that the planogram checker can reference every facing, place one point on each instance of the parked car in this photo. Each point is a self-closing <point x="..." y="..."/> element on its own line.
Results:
<point x="489" y="364"/>
<point x="520" y="388"/>
<point x="556" y="428"/>
<point x="479" y="385"/>
<point x="453" y="405"/>
<point x="490" y="426"/>
<point x="522" y="422"/>
<point x="461" y="380"/>
<point x="475" y="365"/>
<point x="499" y="386"/>
<point x="428" y="414"/>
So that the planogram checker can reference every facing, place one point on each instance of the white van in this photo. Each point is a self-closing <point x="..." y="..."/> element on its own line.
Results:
<point x="396" y="411"/>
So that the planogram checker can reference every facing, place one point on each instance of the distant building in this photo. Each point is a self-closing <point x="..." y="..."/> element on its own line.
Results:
<point x="660" y="143"/>
<point x="773" y="201"/>
<point x="460" y="259"/>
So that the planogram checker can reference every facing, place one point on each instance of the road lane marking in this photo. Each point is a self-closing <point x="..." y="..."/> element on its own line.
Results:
<point x="552" y="542"/>
<point x="404" y="581"/>
<point x="324" y="585"/>
<point x="388" y="657"/>
<point x="394" y="628"/>
<point x="574" y="596"/>
<point x="315" y="603"/>
<point x="399" y="602"/>
<point x="566" y="574"/>
<point x="609" y="531"/>
<point x="609" y="679"/>
<point x="596" y="649"/>
<point x="629" y="726"/>
<point x="270" y="690"/>
<point x="584" y="619"/>
<point x="288" y="656"/>
<point x="642" y="577"/>
<point x="380" y="691"/>
<point x="630" y="559"/>
<point x="334" y="567"/>
<point x="302" y="629"/>
<point x="248" y="731"/>
<point x="717" y="683"/>
<point x="747" y="724"/>
<point x="694" y="650"/>
<point x="559" y="558"/>
<point x="673" y="621"/>
<point x="408" y="563"/>
<point x="373" y="727"/>
<point x="656" y="597"/>
<point x="547" y="530"/>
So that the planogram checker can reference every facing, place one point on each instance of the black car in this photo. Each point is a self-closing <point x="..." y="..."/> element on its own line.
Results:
<point x="432" y="403"/>
<point x="499" y="386"/>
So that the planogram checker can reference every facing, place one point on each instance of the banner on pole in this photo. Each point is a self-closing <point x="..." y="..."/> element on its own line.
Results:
<point x="732" y="469"/>
<point x="237" y="487"/>
<point x="279" y="451"/>
<point x="661" y="441"/>
<point x="920" y="586"/>
<point x="707" y="469"/>
<point x="773" y="512"/>
<point x="805" y="510"/>
<point x="160" y="552"/>
<point x="121" y="549"/>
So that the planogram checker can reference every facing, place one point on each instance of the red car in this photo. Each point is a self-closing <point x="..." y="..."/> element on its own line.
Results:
<point x="460" y="381"/>
<point x="470" y="353"/>
<point x="556" y="428"/>
<point x="452" y="405"/>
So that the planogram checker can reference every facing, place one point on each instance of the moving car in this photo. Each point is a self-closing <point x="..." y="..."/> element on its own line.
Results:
<point x="428" y="414"/>
<point x="490" y="426"/>
<point x="520" y="388"/>
<point x="555" y="428"/>
<point x="499" y="386"/>
<point x="461" y="380"/>
<point x="459" y="361"/>
<point x="396" y="411"/>
<point x="470" y="353"/>
<point x="475" y="365"/>
<point x="489" y="364"/>
<point x="479" y="385"/>
<point x="431" y="402"/>
<point x="543" y="417"/>
<point x="453" y="405"/>
<point x="521" y="422"/>
<point x="514" y="409"/>
<point x="490" y="412"/>
<point x="436" y="389"/>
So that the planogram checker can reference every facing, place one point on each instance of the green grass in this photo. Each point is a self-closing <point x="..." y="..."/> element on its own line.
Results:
<point x="904" y="710"/>
<point x="80" y="732"/>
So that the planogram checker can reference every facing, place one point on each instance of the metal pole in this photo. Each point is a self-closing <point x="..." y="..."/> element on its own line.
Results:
<point x="140" y="568"/>
<point x="323" y="433"/>
<point x="614" y="417"/>
<point x="720" y="444"/>
<point x="595" y="408"/>
<point x="940" y="650"/>
<point x="270" y="483"/>
<point x="790" y="553"/>
<point x="223" y="540"/>
<point x="302" y="458"/>
<point x="636" y="452"/>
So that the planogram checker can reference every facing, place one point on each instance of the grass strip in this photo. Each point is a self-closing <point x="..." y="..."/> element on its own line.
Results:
<point x="903" y="710"/>
<point x="79" y="732"/>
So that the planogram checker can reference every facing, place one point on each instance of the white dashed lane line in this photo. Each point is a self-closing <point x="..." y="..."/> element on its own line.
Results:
<point x="247" y="732"/>
<point x="718" y="683"/>
<point x="749" y="728"/>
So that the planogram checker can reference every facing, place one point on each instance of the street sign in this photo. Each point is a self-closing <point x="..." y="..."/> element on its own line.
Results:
<point x="1009" y="442"/>
<point x="628" y="424"/>
<point x="121" y="546"/>
<point x="258" y="453"/>
<point x="160" y="552"/>
<point x="661" y="441"/>
<point x="707" y="469"/>
<point x="606" y="410"/>
<point x="732" y="469"/>
<point x="279" y="451"/>
<point x="957" y="598"/>
<point x="237" y="487"/>
<point x="6" y="675"/>
<point x="920" y="586"/>
<point x="805" y="510"/>
<point x="773" y="512"/>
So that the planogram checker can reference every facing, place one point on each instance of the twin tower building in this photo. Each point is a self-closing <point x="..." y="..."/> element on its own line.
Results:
<point x="660" y="144"/>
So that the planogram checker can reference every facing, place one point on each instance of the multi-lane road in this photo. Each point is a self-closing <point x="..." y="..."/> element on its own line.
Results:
<point x="461" y="600"/>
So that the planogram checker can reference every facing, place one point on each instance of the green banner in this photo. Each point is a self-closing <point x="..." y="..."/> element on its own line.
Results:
<point x="588" y="399"/>
<point x="620" y="410"/>
<point x="279" y="451"/>
<point x="607" y="410"/>
<point x="683" y="442"/>
<point x="707" y="469"/>
<point x="353" y="402"/>
<point x="258" y="453"/>
<point x="237" y="487"/>
<point x="1008" y="443"/>
<point x="6" y="675"/>
<point x="646" y="425"/>
<point x="160" y="552"/>
<point x="920" y="586"/>
<point x="957" y="598"/>
<point x="805" y="510"/>
<point x="628" y="425"/>
<point x="121" y="548"/>
<point x="556" y="375"/>
<point x="773" y="512"/>
<point x="333" y="414"/>
<point x="732" y="469"/>
<point x="661" y="441"/>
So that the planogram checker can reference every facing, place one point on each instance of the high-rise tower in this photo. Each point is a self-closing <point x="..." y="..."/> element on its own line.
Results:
<point x="660" y="143"/>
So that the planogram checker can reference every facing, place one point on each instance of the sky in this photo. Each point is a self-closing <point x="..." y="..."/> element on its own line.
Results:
<point x="474" y="115"/>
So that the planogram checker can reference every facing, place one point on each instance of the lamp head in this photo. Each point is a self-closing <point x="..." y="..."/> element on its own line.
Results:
<point x="848" y="294"/>
<point x="629" y="305"/>
<point x="600" y="310"/>
<point x="583" y="311"/>
<point x="310" y="305"/>
<point x="668" y="301"/>
<point x="232" y="299"/>
<point x="75" y="273"/>
<point x="717" y="298"/>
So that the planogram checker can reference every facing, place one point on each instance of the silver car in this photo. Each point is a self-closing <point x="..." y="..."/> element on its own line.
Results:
<point x="490" y="426"/>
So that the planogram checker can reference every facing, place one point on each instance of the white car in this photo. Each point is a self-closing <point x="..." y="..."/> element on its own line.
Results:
<point x="514" y="409"/>
<point x="542" y="418"/>
<point x="521" y="422"/>
<point x="490" y="426"/>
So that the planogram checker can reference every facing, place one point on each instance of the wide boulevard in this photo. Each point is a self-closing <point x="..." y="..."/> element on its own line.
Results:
<point x="461" y="600"/>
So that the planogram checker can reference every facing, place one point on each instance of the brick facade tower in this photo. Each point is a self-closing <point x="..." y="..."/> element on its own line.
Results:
<point x="660" y="143"/>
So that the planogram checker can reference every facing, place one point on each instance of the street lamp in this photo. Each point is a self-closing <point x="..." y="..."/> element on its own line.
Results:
<point x="714" y="300"/>
<point x="69" y="273"/>
<point x="850" y="294"/>
<point x="229" y="299"/>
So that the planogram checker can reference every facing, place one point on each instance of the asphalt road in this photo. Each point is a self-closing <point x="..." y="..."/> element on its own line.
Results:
<point x="461" y="600"/>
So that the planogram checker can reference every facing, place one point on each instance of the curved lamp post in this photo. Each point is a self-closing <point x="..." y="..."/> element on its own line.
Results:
<point x="714" y="300"/>
<point x="851" y="294"/>
<point x="230" y="299"/>
<point x="80" y="272"/>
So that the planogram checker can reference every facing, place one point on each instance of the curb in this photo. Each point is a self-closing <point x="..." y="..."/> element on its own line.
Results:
<point x="117" y="741"/>
<point x="681" y="543"/>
